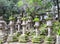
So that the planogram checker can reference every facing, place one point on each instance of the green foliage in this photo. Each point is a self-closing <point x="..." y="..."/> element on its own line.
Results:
<point x="24" y="18"/>
<point x="56" y="27"/>
<point x="43" y="32"/>
<point x="7" y="7"/>
<point x="43" y="29"/>
<point x="43" y="25"/>
<point x="37" y="39"/>
<point x="1" y="41"/>
<point x="20" y="3"/>
<point x="13" y="6"/>
<point x="56" y="23"/>
<point x="11" y="18"/>
<point x="49" y="40"/>
<point x="15" y="37"/>
<point x="29" y="2"/>
<point x="58" y="32"/>
<point x="23" y="38"/>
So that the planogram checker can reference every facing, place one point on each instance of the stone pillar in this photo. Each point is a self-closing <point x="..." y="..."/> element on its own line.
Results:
<point x="11" y="24"/>
<point x="18" y="23"/>
<point x="24" y="26"/>
<point x="29" y="23"/>
<point x="49" y="24"/>
<point x="36" y="27"/>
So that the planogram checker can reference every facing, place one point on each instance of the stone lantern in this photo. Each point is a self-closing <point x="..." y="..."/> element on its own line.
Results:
<point x="36" y="38"/>
<point x="18" y="23"/>
<point x="11" y="25"/>
<point x="23" y="37"/>
<point x="2" y="28"/>
<point x="49" y="24"/>
<point x="36" y="25"/>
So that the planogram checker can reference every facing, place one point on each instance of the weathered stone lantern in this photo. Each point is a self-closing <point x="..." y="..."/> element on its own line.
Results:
<point x="11" y="25"/>
<point x="49" y="24"/>
<point x="24" y="25"/>
<point x="2" y="28"/>
<point x="19" y="23"/>
<point x="36" y="38"/>
<point x="23" y="37"/>
<point x="36" y="25"/>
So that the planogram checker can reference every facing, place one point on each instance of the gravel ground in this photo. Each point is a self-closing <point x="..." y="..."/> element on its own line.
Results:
<point x="20" y="43"/>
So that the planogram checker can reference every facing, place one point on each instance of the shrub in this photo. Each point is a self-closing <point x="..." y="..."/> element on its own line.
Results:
<point x="23" y="38"/>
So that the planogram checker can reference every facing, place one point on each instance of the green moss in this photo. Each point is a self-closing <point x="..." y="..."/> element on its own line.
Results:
<point x="11" y="18"/>
<point x="24" y="18"/>
<point x="36" y="19"/>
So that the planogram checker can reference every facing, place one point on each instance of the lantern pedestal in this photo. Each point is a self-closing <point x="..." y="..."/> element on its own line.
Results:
<point x="23" y="37"/>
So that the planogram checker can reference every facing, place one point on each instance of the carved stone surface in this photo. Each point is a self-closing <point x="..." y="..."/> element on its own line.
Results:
<point x="18" y="23"/>
<point x="23" y="26"/>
